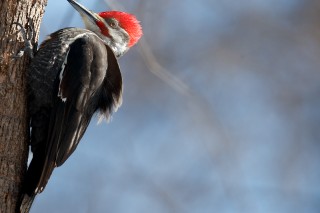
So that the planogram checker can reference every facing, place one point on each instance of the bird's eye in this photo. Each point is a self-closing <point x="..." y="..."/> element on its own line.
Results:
<point x="113" y="23"/>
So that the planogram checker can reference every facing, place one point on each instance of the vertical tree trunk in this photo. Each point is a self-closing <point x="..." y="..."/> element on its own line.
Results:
<point x="13" y="105"/>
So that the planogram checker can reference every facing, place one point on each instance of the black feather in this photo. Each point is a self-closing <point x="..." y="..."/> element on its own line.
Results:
<point x="73" y="75"/>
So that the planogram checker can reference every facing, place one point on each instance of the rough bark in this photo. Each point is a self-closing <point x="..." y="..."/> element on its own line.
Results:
<point x="13" y="104"/>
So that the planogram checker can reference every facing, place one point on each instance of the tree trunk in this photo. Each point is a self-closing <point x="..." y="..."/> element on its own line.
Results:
<point x="14" y="128"/>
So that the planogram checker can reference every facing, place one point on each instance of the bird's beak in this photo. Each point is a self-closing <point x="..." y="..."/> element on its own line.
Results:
<point x="84" y="12"/>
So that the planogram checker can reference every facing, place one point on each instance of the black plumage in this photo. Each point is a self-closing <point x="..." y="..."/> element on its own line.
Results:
<point x="73" y="75"/>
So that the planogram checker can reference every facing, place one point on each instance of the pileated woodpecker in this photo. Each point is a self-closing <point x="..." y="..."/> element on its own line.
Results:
<point x="74" y="74"/>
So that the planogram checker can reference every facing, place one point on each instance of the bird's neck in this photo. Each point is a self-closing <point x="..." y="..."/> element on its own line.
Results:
<point x="117" y="48"/>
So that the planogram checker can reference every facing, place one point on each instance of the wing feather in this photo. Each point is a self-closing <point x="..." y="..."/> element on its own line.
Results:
<point x="76" y="100"/>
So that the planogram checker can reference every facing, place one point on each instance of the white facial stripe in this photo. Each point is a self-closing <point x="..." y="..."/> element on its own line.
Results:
<point x="118" y="40"/>
<point x="120" y="43"/>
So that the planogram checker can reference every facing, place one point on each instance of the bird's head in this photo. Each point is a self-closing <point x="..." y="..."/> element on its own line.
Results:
<point x="119" y="30"/>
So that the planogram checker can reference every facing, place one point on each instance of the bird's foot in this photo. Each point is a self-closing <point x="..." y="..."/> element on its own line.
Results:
<point x="28" y="38"/>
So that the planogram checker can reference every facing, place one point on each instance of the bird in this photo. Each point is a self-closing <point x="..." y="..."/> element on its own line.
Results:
<point x="74" y="74"/>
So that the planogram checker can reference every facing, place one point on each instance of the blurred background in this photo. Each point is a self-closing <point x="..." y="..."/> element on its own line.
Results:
<point x="221" y="113"/>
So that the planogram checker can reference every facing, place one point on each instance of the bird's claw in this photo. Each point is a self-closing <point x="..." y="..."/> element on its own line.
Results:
<point x="20" y="54"/>
<point x="28" y="39"/>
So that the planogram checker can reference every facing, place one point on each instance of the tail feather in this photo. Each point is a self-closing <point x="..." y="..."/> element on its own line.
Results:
<point x="25" y="203"/>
